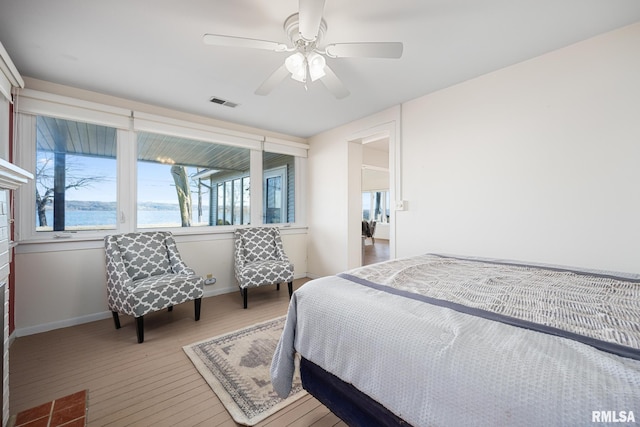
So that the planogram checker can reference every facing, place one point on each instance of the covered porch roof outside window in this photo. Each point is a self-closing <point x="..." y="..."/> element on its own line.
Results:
<point x="58" y="135"/>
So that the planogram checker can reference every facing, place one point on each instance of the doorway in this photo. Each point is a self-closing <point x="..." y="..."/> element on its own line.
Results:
<point x="372" y="156"/>
<point x="376" y="203"/>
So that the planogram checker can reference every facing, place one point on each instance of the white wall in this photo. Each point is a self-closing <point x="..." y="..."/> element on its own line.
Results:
<point x="334" y="191"/>
<point x="535" y="162"/>
<point x="373" y="179"/>
<point x="327" y="174"/>
<point x="375" y="157"/>
<point x="538" y="161"/>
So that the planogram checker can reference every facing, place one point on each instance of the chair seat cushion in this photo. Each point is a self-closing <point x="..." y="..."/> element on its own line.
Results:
<point x="161" y="291"/>
<point x="265" y="272"/>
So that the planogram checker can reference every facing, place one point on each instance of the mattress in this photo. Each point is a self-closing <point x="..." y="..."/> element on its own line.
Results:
<point x="448" y="341"/>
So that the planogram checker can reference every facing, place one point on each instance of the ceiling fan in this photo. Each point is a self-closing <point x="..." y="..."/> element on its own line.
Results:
<point x="306" y="30"/>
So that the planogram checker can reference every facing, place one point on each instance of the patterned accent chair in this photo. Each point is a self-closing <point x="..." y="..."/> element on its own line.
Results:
<point x="145" y="273"/>
<point x="260" y="259"/>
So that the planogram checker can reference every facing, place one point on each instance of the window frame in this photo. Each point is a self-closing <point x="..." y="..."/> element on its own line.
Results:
<point x="222" y="185"/>
<point x="109" y="134"/>
<point x="127" y="123"/>
<point x="226" y="175"/>
<point x="277" y="172"/>
<point x="32" y="104"/>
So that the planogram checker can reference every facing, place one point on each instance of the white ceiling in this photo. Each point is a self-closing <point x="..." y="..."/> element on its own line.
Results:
<point x="152" y="51"/>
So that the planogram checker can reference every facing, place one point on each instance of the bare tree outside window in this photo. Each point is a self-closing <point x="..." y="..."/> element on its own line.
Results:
<point x="45" y="184"/>
<point x="193" y="170"/>
<point x="76" y="183"/>
<point x="183" y="191"/>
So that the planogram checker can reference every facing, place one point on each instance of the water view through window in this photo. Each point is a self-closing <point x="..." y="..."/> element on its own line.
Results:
<point x="75" y="175"/>
<point x="189" y="183"/>
<point x="179" y="182"/>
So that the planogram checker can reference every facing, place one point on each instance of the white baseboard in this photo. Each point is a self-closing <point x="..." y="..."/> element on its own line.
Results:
<point x="45" y="327"/>
<point x="213" y="290"/>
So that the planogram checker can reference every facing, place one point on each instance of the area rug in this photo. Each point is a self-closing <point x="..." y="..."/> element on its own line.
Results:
<point x="236" y="366"/>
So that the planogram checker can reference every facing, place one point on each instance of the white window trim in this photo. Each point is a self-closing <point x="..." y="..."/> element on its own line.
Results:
<point x="280" y="171"/>
<point x="45" y="104"/>
<point x="25" y="198"/>
<point x="25" y="157"/>
<point x="162" y="125"/>
<point x="127" y="172"/>
<point x="281" y="146"/>
<point x="9" y="75"/>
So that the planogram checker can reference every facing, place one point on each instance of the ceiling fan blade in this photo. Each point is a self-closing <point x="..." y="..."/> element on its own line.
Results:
<point x="272" y="81"/>
<point x="365" y="50"/>
<point x="231" y="41"/>
<point x="310" y="16"/>
<point x="333" y="84"/>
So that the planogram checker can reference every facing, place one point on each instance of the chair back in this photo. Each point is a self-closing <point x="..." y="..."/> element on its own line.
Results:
<point x="144" y="254"/>
<point x="365" y="229"/>
<point x="259" y="243"/>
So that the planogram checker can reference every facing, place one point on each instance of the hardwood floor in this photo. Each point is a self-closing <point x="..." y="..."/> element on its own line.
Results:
<point x="375" y="252"/>
<point x="149" y="384"/>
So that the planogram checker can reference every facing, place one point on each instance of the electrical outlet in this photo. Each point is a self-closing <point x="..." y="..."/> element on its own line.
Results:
<point x="209" y="276"/>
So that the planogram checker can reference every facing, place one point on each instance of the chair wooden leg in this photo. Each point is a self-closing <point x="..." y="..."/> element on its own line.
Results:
<point x="278" y="286"/>
<point x="116" y="319"/>
<point x="290" y="285"/>
<point x="140" y="329"/>
<point x="197" y="304"/>
<point x="244" y="297"/>
<point x="170" y="308"/>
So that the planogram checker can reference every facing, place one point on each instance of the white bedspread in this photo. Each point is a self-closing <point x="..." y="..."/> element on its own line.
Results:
<point x="433" y="366"/>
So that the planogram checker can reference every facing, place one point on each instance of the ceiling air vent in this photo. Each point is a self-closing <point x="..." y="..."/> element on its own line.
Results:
<point x="224" y="102"/>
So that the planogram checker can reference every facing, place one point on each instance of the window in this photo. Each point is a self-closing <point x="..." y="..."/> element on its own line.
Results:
<point x="75" y="179"/>
<point x="233" y="201"/>
<point x="185" y="183"/>
<point x="376" y="206"/>
<point x="104" y="169"/>
<point x="278" y="188"/>
<point x="366" y="205"/>
<point x="275" y="201"/>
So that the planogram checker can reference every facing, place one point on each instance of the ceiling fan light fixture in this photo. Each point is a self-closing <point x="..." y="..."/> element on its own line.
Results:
<point x="316" y="66"/>
<point x="296" y="64"/>
<point x="307" y="60"/>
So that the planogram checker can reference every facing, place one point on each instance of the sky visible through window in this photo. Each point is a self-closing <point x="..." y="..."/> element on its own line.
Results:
<point x="156" y="185"/>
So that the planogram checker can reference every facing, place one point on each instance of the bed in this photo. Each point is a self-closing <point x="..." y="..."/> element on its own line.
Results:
<point x="438" y="340"/>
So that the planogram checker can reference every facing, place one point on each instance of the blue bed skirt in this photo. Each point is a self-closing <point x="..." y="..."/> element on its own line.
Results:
<point x="350" y="404"/>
